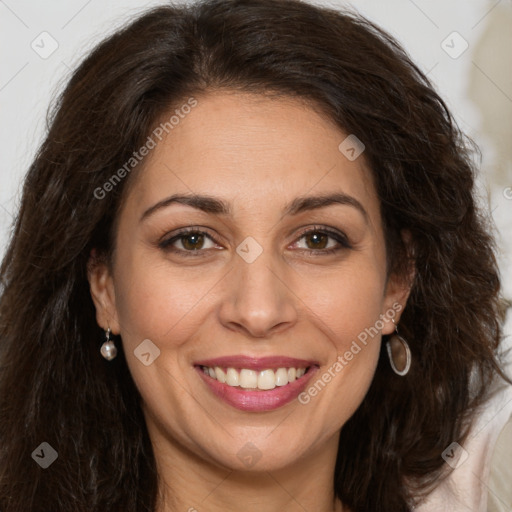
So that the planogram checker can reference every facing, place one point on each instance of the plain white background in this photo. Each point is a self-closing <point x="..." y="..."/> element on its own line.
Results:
<point x="463" y="45"/>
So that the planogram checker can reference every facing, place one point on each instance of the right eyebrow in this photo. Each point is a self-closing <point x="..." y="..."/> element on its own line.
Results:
<point x="206" y="204"/>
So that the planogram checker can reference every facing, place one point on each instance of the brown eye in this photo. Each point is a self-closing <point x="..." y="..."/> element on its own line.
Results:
<point x="322" y="241"/>
<point x="316" y="240"/>
<point x="193" y="241"/>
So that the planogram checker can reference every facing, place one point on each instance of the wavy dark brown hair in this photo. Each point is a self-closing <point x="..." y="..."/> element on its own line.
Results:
<point x="54" y="384"/>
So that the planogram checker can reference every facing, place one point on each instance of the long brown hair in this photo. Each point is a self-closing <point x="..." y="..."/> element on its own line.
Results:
<point x="54" y="385"/>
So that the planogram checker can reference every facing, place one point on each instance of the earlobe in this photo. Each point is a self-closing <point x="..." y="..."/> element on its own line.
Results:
<point x="394" y="305"/>
<point x="399" y="288"/>
<point x="101" y="286"/>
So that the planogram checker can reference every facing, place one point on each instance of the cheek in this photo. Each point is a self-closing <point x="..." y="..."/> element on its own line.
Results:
<point x="349" y="304"/>
<point x="160" y="303"/>
<point x="349" y="314"/>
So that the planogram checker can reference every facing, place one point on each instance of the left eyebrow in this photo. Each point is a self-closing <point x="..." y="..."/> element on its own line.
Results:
<point x="307" y="203"/>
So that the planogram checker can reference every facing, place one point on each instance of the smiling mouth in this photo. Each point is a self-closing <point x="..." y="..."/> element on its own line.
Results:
<point x="253" y="380"/>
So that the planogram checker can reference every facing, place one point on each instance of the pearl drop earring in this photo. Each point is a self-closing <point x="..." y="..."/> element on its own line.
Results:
<point x="108" y="349"/>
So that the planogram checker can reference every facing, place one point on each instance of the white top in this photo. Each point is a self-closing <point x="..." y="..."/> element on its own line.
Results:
<point x="468" y="486"/>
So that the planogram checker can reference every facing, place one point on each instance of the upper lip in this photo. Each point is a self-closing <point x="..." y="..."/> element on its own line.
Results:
<point x="256" y="363"/>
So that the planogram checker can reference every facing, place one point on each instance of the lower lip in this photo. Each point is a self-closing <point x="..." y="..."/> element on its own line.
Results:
<point x="258" y="401"/>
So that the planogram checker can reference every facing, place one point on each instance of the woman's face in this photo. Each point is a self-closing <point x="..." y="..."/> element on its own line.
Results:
<point x="272" y="276"/>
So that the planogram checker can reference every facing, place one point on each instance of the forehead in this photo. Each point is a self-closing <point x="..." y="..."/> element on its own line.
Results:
<point x="253" y="151"/>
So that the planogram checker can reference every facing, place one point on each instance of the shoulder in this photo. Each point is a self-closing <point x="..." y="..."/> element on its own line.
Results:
<point x="500" y="491"/>
<point x="468" y="485"/>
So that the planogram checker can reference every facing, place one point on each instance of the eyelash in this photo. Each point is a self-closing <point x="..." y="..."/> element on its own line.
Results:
<point x="342" y="240"/>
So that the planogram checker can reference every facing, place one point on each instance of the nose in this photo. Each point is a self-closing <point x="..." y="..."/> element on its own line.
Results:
<point x="258" y="299"/>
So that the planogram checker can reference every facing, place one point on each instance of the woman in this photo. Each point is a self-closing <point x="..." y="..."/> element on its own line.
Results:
<point x="247" y="273"/>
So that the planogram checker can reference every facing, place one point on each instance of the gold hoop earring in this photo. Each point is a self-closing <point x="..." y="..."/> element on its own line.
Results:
<point x="108" y="349"/>
<point x="399" y="353"/>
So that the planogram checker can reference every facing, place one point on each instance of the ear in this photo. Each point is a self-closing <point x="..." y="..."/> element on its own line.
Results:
<point x="398" y="288"/>
<point x="101" y="284"/>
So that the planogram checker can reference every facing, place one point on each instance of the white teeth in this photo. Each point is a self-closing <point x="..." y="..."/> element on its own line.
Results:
<point x="248" y="379"/>
<point x="251" y="379"/>
<point x="281" y="377"/>
<point x="266" y="380"/>
<point x="220" y="375"/>
<point x="232" y="377"/>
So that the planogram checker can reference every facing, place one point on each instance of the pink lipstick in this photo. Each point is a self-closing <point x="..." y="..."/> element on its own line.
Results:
<point x="256" y="384"/>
